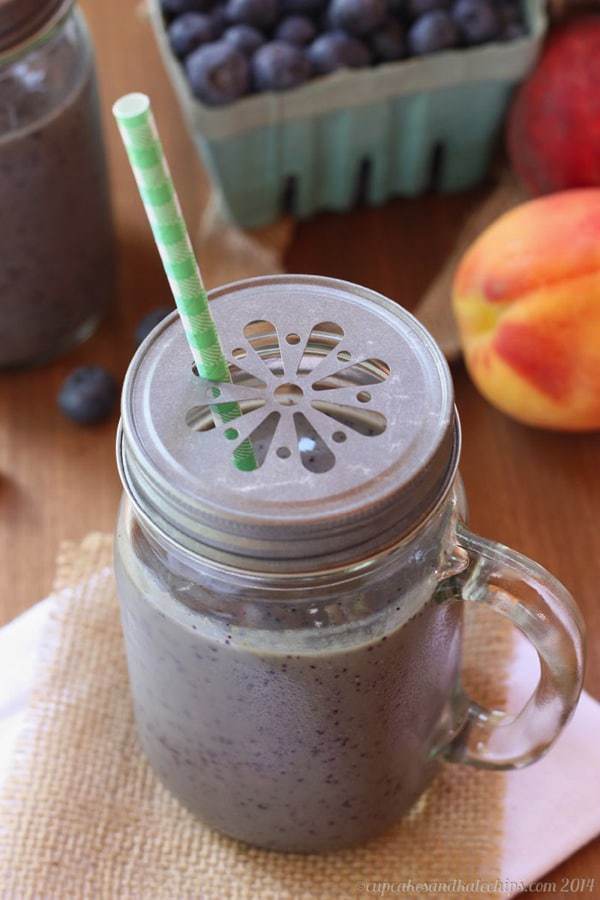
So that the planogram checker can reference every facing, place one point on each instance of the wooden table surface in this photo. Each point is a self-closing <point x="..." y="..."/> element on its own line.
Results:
<point x="536" y="491"/>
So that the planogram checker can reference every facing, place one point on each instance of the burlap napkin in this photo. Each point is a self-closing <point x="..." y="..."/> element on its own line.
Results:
<point x="83" y="815"/>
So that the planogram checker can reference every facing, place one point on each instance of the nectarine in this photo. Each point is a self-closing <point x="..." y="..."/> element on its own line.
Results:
<point x="527" y="300"/>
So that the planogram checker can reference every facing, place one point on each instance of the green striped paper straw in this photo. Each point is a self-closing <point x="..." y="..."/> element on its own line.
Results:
<point x="151" y="170"/>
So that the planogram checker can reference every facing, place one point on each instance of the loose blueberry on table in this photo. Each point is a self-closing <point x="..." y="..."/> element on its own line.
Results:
<point x="150" y="321"/>
<point x="88" y="395"/>
<point x="231" y="48"/>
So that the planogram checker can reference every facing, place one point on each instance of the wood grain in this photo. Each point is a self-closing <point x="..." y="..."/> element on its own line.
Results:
<point x="536" y="491"/>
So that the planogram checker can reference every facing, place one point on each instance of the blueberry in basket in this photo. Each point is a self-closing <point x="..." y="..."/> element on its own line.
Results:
<point x="218" y="16"/>
<point x="244" y="38"/>
<point x="303" y="7"/>
<point x="431" y="32"/>
<point x="233" y="48"/>
<point x="337" y="50"/>
<point x="177" y="7"/>
<point x="477" y="20"/>
<point x="259" y="13"/>
<point x="279" y="66"/>
<point x="299" y="30"/>
<point x="416" y="8"/>
<point x="218" y="73"/>
<point x="358" y="17"/>
<point x="189" y="31"/>
<point x="388" y="42"/>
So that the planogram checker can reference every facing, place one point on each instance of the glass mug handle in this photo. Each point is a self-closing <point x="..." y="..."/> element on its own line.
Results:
<point x="544" y="611"/>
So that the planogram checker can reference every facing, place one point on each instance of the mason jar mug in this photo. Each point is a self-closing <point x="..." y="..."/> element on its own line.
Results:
<point x="294" y="632"/>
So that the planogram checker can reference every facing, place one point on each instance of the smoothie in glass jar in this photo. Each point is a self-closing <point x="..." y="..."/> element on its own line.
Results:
<point x="56" y="264"/>
<point x="293" y="630"/>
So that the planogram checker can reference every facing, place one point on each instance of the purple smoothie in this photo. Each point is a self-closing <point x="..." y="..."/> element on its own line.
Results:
<point x="291" y="739"/>
<point x="56" y="264"/>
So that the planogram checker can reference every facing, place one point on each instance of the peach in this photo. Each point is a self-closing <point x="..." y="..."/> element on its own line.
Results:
<point x="527" y="301"/>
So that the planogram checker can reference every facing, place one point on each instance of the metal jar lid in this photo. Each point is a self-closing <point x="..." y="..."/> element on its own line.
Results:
<point x="348" y="404"/>
<point x="20" y="20"/>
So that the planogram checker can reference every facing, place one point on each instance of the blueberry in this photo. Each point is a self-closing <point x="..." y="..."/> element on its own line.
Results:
<point x="298" y="30"/>
<point x="189" y="31"/>
<point x="336" y="50"/>
<point x="431" y="32"/>
<point x="388" y="42"/>
<point x="218" y="73"/>
<point x="477" y="20"/>
<point x="512" y="32"/>
<point x="278" y="66"/>
<point x="302" y="7"/>
<point x="149" y="322"/>
<point x="88" y="395"/>
<point x="219" y="20"/>
<point x="509" y="13"/>
<point x="244" y="38"/>
<point x="357" y="17"/>
<point x="260" y="13"/>
<point x="416" y="8"/>
<point x="177" y="7"/>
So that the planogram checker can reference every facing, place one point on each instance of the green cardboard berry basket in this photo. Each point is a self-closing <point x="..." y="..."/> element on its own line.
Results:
<point x="398" y="129"/>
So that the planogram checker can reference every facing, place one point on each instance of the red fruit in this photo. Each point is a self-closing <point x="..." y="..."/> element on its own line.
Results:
<point x="553" y="131"/>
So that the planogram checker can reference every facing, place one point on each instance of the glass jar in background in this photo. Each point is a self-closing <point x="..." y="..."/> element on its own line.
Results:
<point x="56" y="255"/>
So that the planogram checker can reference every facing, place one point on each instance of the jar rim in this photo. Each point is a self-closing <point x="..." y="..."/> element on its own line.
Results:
<point x="23" y="26"/>
<point x="285" y="574"/>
